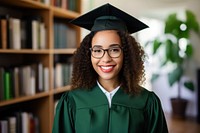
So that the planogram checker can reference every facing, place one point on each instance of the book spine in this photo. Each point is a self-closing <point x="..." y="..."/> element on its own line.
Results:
<point x="4" y="126"/>
<point x="46" y="79"/>
<point x="3" y="30"/>
<point x="7" y="87"/>
<point x="4" y="38"/>
<point x="12" y="122"/>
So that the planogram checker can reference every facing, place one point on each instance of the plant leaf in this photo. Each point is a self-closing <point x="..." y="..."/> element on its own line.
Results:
<point x="175" y="75"/>
<point x="189" y="85"/>
<point x="168" y="49"/>
<point x="189" y="50"/>
<point x="156" y="45"/>
<point x="191" y="21"/>
<point x="172" y="52"/>
<point x="172" y="25"/>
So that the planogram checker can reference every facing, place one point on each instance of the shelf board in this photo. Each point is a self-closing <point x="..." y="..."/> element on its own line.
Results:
<point x="26" y="3"/>
<point x="61" y="89"/>
<point x="23" y="99"/>
<point x="63" y="13"/>
<point x="64" y="51"/>
<point x="25" y="51"/>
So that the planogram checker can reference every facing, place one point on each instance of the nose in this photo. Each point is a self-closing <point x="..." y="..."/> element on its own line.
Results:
<point x="106" y="57"/>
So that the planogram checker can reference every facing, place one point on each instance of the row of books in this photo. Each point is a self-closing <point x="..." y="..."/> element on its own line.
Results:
<point x="67" y="4"/>
<point x="22" y="33"/>
<point x="64" y="36"/>
<point x="63" y="72"/>
<point x="23" y="81"/>
<point x="21" y="122"/>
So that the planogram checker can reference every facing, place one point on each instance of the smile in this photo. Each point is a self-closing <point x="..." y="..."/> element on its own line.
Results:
<point x="106" y="68"/>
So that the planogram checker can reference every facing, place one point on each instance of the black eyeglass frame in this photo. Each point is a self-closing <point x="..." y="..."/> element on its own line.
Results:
<point x="91" y="49"/>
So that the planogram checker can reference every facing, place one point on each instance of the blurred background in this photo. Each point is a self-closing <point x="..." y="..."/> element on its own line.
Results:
<point x="154" y="13"/>
<point x="37" y="45"/>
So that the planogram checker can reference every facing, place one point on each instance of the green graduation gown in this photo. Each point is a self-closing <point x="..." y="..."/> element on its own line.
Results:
<point x="87" y="111"/>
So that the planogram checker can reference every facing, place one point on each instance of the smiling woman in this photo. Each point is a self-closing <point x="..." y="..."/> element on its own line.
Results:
<point x="106" y="95"/>
<point x="108" y="64"/>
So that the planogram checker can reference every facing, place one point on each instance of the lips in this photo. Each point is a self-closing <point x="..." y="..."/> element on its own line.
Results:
<point x="106" y="69"/>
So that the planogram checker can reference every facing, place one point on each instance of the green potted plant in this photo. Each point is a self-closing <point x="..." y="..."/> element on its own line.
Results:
<point x="177" y="49"/>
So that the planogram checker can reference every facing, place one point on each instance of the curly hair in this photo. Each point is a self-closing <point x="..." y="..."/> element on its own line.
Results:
<point x="131" y="75"/>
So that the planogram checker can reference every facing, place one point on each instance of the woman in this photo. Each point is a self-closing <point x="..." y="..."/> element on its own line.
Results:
<point x="106" y="95"/>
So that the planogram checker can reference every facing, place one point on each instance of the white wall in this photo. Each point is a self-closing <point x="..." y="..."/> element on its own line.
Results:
<point x="159" y="9"/>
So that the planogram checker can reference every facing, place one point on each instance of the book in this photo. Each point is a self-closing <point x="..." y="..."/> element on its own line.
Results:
<point x="46" y="2"/>
<point x="15" y="34"/>
<point x="46" y="79"/>
<point x="7" y="86"/>
<point x="28" y="81"/>
<point x="58" y="75"/>
<point x="73" y="5"/>
<point x="55" y="27"/>
<point x="37" y="124"/>
<point x="64" y="4"/>
<point x="40" y="78"/>
<point x="63" y="73"/>
<point x="32" y="86"/>
<point x="71" y="37"/>
<point x="12" y="87"/>
<point x="18" y="122"/>
<point x="64" y="36"/>
<point x="32" y="31"/>
<point x="4" y="126"/>
<point x="4" y="31"/>
<point x="42" y="38"/>
<point x="25" y="122"/>
<point x="23" y="33"/>
<point x="12" y="124"/>
<point x="16" y="82"/>
<point x="35" y="36"/>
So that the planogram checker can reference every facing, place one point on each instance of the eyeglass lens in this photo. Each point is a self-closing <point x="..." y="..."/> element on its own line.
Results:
<point x="113" y="52"/>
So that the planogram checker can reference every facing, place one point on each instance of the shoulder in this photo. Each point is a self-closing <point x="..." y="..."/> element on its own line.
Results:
<point x="83" y="98"/>
<point x="138" y="101"/>
<point x="74" y="93"/>
<point x="67" y="98"/>
<point x="149" y="96"/>
<point x="152" y="101"/>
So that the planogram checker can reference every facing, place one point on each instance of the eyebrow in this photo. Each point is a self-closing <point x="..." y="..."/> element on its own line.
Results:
<point x="112" y="45"/>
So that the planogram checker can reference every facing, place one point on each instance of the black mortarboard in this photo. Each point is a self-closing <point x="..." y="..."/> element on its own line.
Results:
<point x="108" y="17"/>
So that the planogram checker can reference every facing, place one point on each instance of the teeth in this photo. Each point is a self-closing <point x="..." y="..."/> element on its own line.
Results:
<point x="106" y="67"/>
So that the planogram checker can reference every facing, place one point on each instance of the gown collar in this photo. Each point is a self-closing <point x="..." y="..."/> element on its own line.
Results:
<point x="109" y="95"/>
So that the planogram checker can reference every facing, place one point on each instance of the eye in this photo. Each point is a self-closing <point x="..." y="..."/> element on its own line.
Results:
<point x="114" y="50"/>
<point x="97" y="50"/>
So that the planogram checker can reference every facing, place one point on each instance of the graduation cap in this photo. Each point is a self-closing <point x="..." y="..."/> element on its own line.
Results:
<point x="108" y="17"/>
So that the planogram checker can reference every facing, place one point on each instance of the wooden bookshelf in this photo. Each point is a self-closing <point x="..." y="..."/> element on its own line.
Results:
<point x="46" y="56"/>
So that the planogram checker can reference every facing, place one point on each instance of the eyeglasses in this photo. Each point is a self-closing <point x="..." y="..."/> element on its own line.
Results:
<point x="113" y="52"/>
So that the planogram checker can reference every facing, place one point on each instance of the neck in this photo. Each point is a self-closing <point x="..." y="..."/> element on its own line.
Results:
<point x="109" y="85"/>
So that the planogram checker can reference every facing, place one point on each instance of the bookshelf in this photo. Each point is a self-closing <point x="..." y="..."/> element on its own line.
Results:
<point x="28" y="47"/>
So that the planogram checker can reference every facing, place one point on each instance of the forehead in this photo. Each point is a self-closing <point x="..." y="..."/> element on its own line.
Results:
<point x="106" y="38"/>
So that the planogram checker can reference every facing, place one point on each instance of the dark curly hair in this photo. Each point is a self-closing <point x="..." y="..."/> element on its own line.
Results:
<point x="131" y="74"/>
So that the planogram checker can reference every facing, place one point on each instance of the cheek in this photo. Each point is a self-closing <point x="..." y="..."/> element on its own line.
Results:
<point x="94" y="62"/>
